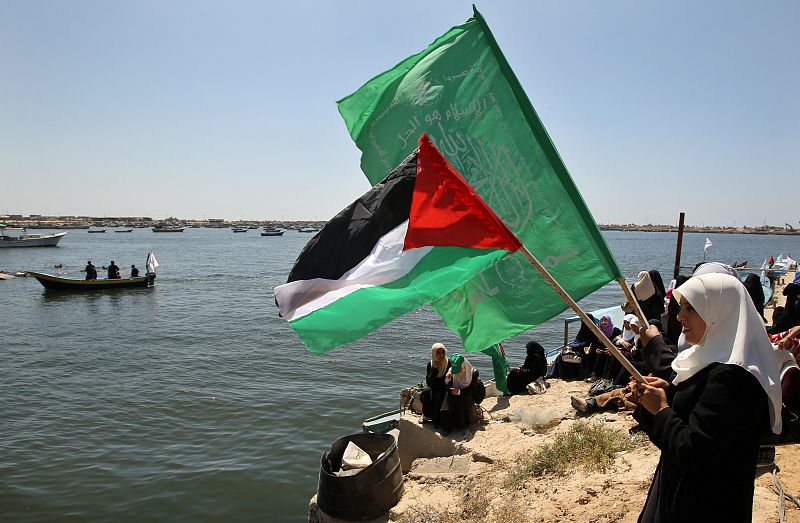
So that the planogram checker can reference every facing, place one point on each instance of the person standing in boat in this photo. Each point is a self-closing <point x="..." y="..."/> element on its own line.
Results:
<point x="91" y="271"/>
<point x="134" y="271"/>
<point x="113" y="271"/>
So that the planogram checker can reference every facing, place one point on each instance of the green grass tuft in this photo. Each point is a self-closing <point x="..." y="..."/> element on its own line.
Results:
<point x="586" y="446"/>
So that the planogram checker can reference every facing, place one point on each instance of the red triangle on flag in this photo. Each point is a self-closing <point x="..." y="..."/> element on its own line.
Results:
<point x="447" y="212"/>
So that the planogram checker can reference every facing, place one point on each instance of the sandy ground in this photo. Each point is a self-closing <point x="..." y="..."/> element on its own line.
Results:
<point x="485" y="454"/>
<point x="618" y="494"/>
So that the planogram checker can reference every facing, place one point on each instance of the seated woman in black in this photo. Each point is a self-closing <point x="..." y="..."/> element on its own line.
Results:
<point x="788" y="316"/>
<point x="465" y="390"/>
<point x="535" y="366"/>
<point x="434" y="377"/>
<point x="603" y="363"/>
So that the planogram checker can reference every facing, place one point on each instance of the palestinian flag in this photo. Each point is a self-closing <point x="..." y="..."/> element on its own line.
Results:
<point x="413" y="238"/>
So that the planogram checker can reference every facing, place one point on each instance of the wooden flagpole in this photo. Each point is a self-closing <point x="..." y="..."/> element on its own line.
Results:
<point x="586" y="320"/>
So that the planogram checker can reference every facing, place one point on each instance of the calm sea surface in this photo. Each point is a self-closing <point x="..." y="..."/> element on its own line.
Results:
<point x="193" y="401"/>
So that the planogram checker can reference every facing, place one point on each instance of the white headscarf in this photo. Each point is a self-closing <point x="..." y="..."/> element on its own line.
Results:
<point x="628" y="334"/>
<point x="462" y="380"/>
<point x="734" y="335"/>
<point x="644" y="288"/>
<point x="712" y="267"/>
<point x="439" y="364"/>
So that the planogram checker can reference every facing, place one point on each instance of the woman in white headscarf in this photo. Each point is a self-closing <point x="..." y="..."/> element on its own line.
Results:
<point x="435" y="374"/>
<point x="709" y="421"/>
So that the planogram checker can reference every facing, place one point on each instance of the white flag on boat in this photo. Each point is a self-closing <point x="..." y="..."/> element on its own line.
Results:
<point x="708" y="245"/>
<point x="152" y="263"/>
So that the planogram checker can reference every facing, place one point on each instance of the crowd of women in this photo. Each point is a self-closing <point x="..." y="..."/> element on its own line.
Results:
<point x="717" y="381"/>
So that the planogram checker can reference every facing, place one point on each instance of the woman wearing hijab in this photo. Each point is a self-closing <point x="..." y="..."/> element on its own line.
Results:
<point x="651" y="302"/>
<point x="535" y="366"/>
<point x="434" y="377"/>
<point x="708" y="422"/>
<point x="584" y="339"/>
<point x="788" y="317"/>
<point x="602" y="366"/>
<point x="464" y="391"/>
<point x="658" y="283"/>
<point x="753" y="285"/>
<point x="673" y="327"/>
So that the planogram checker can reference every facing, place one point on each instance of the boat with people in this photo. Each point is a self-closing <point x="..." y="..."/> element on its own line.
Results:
<point x="57" y="283"/>
<point x="23" y="239"/>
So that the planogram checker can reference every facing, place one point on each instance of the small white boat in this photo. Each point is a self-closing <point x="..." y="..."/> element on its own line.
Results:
<point x="28" y="240"/>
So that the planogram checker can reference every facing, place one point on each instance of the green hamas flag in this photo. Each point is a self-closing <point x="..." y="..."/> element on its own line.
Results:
<point x="463" y="94"/>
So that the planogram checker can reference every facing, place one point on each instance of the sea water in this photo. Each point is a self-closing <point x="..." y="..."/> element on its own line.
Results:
<point x="193" y="401"/>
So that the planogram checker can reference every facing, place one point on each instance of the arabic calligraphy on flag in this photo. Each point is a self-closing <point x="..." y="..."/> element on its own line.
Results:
<point x="461" y="92"/>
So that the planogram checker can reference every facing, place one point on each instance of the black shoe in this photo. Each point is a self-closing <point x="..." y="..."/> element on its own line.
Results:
<point x="579" y="404"/>
<point x="584" y="406"/>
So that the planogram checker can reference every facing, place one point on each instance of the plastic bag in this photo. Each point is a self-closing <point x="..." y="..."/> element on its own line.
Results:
<point x="354" y="457"/>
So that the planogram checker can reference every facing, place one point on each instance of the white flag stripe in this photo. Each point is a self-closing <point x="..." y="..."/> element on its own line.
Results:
<point x="386" y="263"/>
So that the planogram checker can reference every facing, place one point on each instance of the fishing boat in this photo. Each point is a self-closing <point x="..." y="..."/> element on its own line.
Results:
<point x="238" y="229"/>
<point x="167" y="228"/>
<point x="57" y="283"/>
<point x="307" y="229"/>
<point x="271" y="232"/>
<point x="124" y="230"/>
<point x="96" y="230"/>
<point x="23" y="239"/>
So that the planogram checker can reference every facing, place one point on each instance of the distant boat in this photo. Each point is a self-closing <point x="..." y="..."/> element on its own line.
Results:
<point x="56" y="283"/>
<point x="270" y="231"/>
<point x="307" y="229"/>
<point x="96" y="230"/>
<point x="239" y="230"/>
<point x="124" y="230"/>
<point x="167" y="228"/>
<point x="253" y="227"/>
<point x="28" y="240"/>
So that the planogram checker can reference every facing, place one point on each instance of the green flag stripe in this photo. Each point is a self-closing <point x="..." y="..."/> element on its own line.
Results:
<point x="549" y="148"/>
<point x="365" y="310"/>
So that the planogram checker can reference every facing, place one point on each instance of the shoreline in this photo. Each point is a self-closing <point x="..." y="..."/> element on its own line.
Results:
<point x="84" y="222"/>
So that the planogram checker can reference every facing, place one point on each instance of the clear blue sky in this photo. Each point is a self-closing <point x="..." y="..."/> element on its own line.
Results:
<point x="227" y="109"/>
